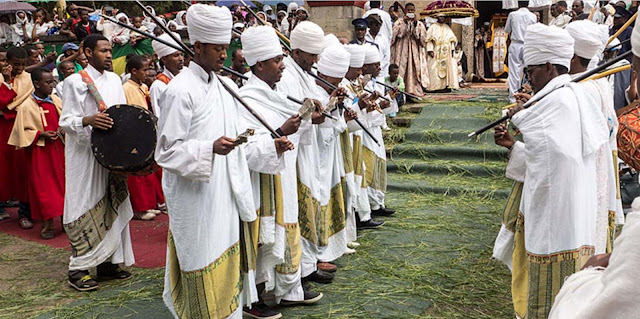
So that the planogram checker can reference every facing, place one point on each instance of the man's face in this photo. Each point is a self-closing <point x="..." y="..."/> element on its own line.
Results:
<point x="560" y="9"/>
<point x="82" y="60"/>
<point x="280" y="16"/>
<point x="40" y="49"/>
<point x="213" y="55"/>
<point x="151" y="76"/>
<point x="302" y="15"/>
<point x="238" y="60"/>
<point x="371" y="68"/>
<point x="173" y="62"/>
<point x="17" y="65"/>
<point x="271" y="70"/>
<point x="410" y="9"/>
<point x="73" y="11"/>
<point x="619" y="21"/>
<point x="553" y="9"/>
<point x="360" y="33"/>
<point x="33" y="57"/>
<point x="304" y="60"/>
<point x="441" y="20"/>
<point x="68" y="69"/>
<point x="539" y="75"/>
<point x="374" y="27"/>
<point x="84" y="16"/>
<point x="100" y="58"/>
<point x="141" y="73"/>
<point x="353" y="73"/>
<point x="577" y="7"/>
<point x="45" y="85"/>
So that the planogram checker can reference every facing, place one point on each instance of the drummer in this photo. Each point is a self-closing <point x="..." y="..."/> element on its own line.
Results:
<point x="92" y="192"/>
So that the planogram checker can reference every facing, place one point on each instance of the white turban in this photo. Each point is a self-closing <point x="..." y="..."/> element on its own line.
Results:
<point x="334" y="61"/>
<point x="635" y="40"/>
<point x="292" y="7"/>
<point x="371" y="54"/>
<point x="357" y="55"/>
<point x="209" y="24"/>
<point x="614" y="43"/>
<point x="544" y="44"/>
<point x="162" y="49"/>
<point x="329" y="40"/>
<point x="588" y="36"/>
<point x="308" y="37"/>
<point x="260" y="44"/>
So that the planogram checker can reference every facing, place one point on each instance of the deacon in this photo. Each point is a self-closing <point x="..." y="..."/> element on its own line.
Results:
<point x="516" y="26"/>
<point x="407" y="49"/>
<point x="375" y="36"/>
<point x="173" y="61"/>
<point x="307" y="41"/>
<point x="36" y="130"/>
<point x="561" y="139"/>
<point x="15" y="88"/>
<point x="274" y="175"/>
<point x="375" y="156"/>
<point x="92" y="192"/>
<point x="206" y="179"/>
<point x="441" y="42"/>
<point x="145" y="191"/>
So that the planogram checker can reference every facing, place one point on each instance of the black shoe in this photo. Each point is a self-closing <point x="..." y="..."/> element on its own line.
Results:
<point x="369" y="224"/>
<point x="310" y="297"/>
<point x="382" y="212"/>
<point x="110" y="271"/>
<point x="319" y="276"/>
<point x="80" y="280"/>
<point x="261" y="311"/>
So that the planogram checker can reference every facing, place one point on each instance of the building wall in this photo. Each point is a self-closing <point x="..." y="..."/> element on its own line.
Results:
<point x="336" y="19"/>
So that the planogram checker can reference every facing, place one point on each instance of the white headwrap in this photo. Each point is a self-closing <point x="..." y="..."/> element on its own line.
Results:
<point x="260" y="43"/>
<point x="371" y="54"/>
<point x="162" y="49"/>
<point x="292" y="7"/>
<point x="357" y="55"/>
<point x="544" y="44"/>
<point x="635" y="40"/>
<point x="614" y="43"/>
<point x="178" y="19"/>
<point x="588" y="36"/>
<point x="308" y="37"/>
<point x="329" y="40"/>
<point x="334" y="61"/>
<point x="209" y="24"/>
<point x="367" y="6"/>
<point x="238" y="25"/>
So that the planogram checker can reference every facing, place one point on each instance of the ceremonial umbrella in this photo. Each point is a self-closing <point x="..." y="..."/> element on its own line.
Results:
<point x="450" y="9"/>
<point x="11" y="6"/>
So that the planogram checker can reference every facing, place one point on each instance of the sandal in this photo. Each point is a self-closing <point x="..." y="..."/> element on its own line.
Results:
<point x="80" y="280"/>
<point x="25" y="223"/>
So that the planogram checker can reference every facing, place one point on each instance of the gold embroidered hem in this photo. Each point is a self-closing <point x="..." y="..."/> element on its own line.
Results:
<point x="292" y="250"/>
<point x="331" y="219"/>
<point x="347" y="152"/>
<point x="519" y="272"/>
<point x="86" y="232"/>
<point x="308" y="211"/>
<point x="210" y="292"/>
<point x="512" y="208"/>
<point x="376" y="170"/>
<point x="249" y="244"/>
<point x="611" y="231"/>
<point x="358" y="159"/>
<point x="271" y="197"/>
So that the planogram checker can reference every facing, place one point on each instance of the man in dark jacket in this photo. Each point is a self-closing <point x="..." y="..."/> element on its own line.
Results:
<point x="85" y="27"/>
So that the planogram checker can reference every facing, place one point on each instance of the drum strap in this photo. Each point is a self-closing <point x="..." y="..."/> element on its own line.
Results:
<point x="93" y="90"/>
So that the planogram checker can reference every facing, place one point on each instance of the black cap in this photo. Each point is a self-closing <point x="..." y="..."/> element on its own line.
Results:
<point x="360" y="23"/>
<point x="621" y="12"/>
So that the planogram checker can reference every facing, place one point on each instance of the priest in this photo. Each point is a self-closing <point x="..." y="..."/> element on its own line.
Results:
<point x="172" y="61"/>
<point x="206" y="179"/>
<point x="92" y="192"/>
<point x="441" y="42"/>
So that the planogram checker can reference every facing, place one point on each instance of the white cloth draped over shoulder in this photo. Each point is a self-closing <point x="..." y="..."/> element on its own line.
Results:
<point x="275" y="108"/>
<point x="560" y="155"/>
<point x="207" y="195"/>
<point x="86" y="181"/>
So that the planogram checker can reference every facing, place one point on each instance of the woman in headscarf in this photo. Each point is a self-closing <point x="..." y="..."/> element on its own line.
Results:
<point x="181" y="20"/>
<point x="120" y="35"/>
<point x="23" y="27"/>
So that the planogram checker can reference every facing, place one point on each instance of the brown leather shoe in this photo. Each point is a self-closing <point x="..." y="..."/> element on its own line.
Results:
<point x="328" y="267"/>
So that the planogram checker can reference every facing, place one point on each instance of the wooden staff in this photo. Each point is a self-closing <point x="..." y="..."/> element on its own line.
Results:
<point x="624" y="27"/>
<point x="584" y="76"/>
<point x="226" y="87"/>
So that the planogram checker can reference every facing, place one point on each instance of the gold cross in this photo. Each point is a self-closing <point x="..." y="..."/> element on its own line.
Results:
<point x="44" y="119"/>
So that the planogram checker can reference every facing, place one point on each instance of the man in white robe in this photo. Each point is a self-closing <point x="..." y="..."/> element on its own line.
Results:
<point x="517" y="23"/>
<point x="441" y="42"/>
<point x="274" y="180"/>
<point x="93" y="193"/>
<point x="206" y="179"/>
<point x="375" y="155"/>
<point x="307" y="40"/>
<point x="558" y="167"/>
<point x="375" y="35"/>
<point x="332" y="67"/>
<point x="173" y="62"/>
<point x="387" y="23"/>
